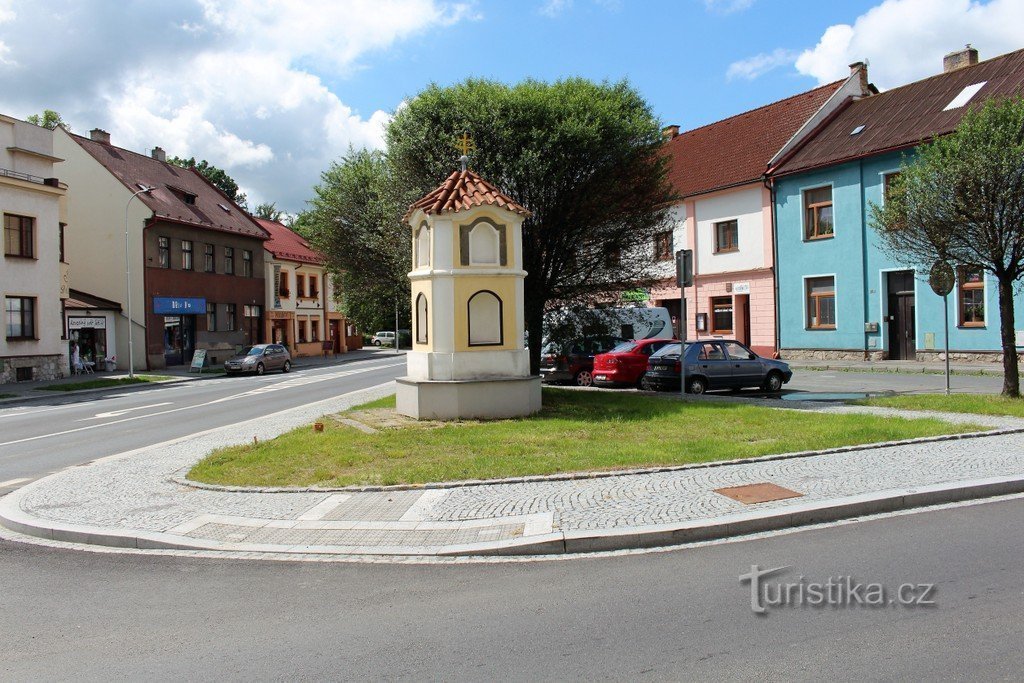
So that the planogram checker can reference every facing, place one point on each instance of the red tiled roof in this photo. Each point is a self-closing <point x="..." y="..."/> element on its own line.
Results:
<point x="737" y="150"/>
<point x="172" y="183"/>
<point x="463" y="190"/>
<point x="288" y="245"/>
<point x="906" y="116"/>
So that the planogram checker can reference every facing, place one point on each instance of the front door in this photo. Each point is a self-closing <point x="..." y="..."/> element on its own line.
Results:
<point x="336" y="335"/>
<point x="902" y="332"/>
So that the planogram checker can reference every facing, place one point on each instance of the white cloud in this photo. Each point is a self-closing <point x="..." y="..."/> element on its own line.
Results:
<point x="552" y="8"/>
<point x="727" y="6"/>
<point x="904" y="40"/>
<point x="758" y="65"/>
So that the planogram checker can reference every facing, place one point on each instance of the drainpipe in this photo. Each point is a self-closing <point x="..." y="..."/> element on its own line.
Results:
<point x="769" y="183"/>
<point x="863" y="256"/>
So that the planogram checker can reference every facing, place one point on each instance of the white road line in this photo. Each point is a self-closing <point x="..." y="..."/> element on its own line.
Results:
<point x="174" y="410"/>
<point x="119" y="413"/>
<point x="417" y="512"/>
<point x="12" y="482"/>
<point x="323" y="507"/>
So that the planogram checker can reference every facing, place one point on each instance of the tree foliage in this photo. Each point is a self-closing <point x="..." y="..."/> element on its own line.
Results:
<point x="583" y="157"/>
<point x="268" y="211"/>
<point x="961" y="200"/>
<point x="48" y="119"/>
<point x="218" y="177"/>
<point x="355" y="220"/>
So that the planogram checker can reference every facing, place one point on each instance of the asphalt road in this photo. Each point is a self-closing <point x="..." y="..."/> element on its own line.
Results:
<point x="39" y="438"/>
<point x="680" y="615"/>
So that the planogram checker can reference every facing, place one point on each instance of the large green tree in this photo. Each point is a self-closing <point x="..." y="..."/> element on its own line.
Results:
<point x="355" y="221"/>
<point x="961" y="200"/>
<point x="217" y="176"/>
<point x="583" y="157"/>
<point x="268" y="211"/>
<point x="48" y="119"/>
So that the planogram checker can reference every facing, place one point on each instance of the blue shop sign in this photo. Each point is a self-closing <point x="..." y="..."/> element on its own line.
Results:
<point x="175" y="305"/>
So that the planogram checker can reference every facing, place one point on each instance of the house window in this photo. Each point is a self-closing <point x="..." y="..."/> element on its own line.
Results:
<point x="229" y="317"/>
<point x="163" y="251"/>
<point x="421" y="319"/>
<point x="229" y="261"/>
<point x="211" y="259"/>
<point x="314" y="286"/>
<point x="314" y="330"/>
<point x="282" y="290"/>
<point x="727" y="236"/>
<point x="302" y="330"/>
<point x="246" y="263"/>
<point x="818" y="220"/>
<point x="186" y="255"/>
<point x="821" y="303"/>
<point x="62" y="254"/>
<point x="972" y="296"/>
<point x="485" y="324"/>
<point x="300" y="286"/>
<point x="663" y="246"/>
<point x="211" y="316"/>
<point x="19" y="236"/>
<point x="20" y="315"/>
<point x="887" y="181"/>
<point x="721" y="315"/>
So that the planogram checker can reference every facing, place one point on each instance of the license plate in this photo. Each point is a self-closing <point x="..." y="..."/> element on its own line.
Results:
<point x="601" y="377"/>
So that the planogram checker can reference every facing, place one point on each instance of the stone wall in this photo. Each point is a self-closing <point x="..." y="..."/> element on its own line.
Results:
<point x="974" y="357"/>
<point x="43" y="367"/>
<point x="923" y="356"/>
<point x="822" y="354"/>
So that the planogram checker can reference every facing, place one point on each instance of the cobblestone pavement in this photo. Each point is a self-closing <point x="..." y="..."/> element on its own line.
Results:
<point x="134" y="500"/>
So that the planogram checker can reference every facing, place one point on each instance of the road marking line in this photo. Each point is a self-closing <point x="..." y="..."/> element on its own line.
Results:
<point x="323" y="507"/>
<point x="119" y="413"/>
<point x="12" y="482"/>
<point x="418" y="511"/>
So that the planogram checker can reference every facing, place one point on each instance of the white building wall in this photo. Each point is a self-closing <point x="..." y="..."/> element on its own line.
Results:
<point x="743" y="206"/>
<point x="677" y="218"/>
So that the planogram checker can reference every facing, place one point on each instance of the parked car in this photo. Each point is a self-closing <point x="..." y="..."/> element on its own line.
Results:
<point x="574" y="361"/>
<point x="626" y="364"/>
<point x="384" y="338"/>
<point x="715" y="364"/>
<point x="259" y="359"/>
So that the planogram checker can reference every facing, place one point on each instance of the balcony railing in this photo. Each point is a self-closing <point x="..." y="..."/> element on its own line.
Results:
<point x="7" y="173"/>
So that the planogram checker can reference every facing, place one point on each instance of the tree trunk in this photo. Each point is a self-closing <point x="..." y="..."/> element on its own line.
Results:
<point x="1011" y="375"/>
<point x="534" y="318"/>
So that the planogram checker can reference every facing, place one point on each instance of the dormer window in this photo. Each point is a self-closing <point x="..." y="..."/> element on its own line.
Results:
<point x="189" y="198"/>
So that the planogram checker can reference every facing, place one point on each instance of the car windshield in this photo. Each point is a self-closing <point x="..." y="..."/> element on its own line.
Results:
<point x="251" y="351"/>
<point x="624" y="347"/>
<point x="667" y="350"/>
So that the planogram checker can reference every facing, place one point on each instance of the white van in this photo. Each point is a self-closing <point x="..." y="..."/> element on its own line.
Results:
<point x="384" y="338"/>
<point x="632" y="322"/>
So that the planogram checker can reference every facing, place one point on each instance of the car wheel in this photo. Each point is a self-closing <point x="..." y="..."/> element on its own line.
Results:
<point x="376" y="342"/>
<point x="287" y="367"/>
<point x="697" y="385"/>
<point x="773" y="382"/>
<point x="259" y="368"/>
<point x="642" y="383"/>
<point x="584" y="378"/>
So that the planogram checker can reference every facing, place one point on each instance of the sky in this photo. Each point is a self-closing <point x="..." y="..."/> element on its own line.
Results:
<point x="273" y="91"/>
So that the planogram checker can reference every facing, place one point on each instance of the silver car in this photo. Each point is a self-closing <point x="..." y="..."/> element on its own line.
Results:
<point x="259" y="359"/>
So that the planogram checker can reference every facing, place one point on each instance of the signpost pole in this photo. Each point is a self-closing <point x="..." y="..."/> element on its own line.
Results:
<point x="942" y="278"/>
<point x="682" y="339"/>
<point x="945" y="309"/>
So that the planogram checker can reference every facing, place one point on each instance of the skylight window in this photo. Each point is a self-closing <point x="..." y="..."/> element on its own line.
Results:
<point x="965" y="96"/>
<point x="225" y="207"/>
<point x="857" y="130"/>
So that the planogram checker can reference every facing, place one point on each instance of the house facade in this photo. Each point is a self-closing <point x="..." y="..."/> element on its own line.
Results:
<point x="301" y="304"/>
<point x="195" y="258"/>
<point x="840" y="294"/>
<point x="34" y="275"/>
<point x="725" y="213"/>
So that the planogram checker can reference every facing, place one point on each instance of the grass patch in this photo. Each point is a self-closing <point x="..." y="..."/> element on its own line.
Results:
<point x="979" y="404"/>
<point x="576" y="431"/>
<point x="105" y="383"/>
<point x="3" y="396"/>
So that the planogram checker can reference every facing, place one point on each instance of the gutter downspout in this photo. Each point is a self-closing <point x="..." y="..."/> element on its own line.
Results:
<point x="769" y="182"/>
<point x="864" y="256"/>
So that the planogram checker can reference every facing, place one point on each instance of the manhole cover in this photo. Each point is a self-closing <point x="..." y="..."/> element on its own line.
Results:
<point x="762" y="492"/>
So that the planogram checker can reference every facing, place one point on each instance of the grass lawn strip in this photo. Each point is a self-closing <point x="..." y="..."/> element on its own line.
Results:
<point x="576" y="431"/>
<point x="979" y="404"/>
<point x="105" y="383"/>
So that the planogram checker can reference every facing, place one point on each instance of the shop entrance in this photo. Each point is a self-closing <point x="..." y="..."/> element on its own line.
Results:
<point x="92" y="344"/>
<point x="179" y="339"/>
<point x="336" y="335"/>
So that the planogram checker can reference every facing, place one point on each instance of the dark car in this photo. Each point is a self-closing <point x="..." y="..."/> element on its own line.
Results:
<point x="715" y="364"/>
<point x="626" y="364"/>
<point x="259" y="358"/>
<point x="574" y="361"/>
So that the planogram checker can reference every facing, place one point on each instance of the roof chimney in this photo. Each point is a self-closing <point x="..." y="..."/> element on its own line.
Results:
<point x="99" y="135"/>
<point x="959" y="59"/>
<point x="860" y="69"/>
<point x="670" y="132"/>
<point x="159" y="154"/>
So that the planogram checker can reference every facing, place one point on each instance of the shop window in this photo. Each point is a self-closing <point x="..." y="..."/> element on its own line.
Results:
<point x="229" y="261"/>
<point x="229" y="317"/>
<point x="314" y="330"/>
<point x="818" y="215"/>
<point x="211" y="316"/>
<point x="485" y="319"/>
<point x="301" y="323"/>
<point x="19" y="236"/>
<point x="721" y="315"/>
<point x="727" y="236"/>
<point x="186" y="254"/>
<point x="211" y="260"/>
<point x="821" y="303"/>
<point x="246" y="263"/>
<point x="423" y="246"/>
<point x="163" y="252"/>
<point x="971" y="296"/>
<point x="20" y="317"/>
<point x="421" y="319"/>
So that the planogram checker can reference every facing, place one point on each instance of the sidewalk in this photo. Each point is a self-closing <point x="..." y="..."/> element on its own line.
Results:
<point x="906" y="366"/>
<point x="35" y="391"/>
<point x="138" y="500"/>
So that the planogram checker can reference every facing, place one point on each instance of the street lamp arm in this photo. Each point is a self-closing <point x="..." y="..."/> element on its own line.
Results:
<point x="128" y="282"/>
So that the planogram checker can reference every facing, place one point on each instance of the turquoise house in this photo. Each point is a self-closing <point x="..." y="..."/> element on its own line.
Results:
<point x="840" y="295"/>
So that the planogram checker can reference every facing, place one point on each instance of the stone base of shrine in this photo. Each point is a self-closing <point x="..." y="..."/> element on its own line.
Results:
<point x="477" y="399"/>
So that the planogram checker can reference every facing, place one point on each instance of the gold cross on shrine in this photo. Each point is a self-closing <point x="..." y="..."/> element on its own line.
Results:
<point x="465" y="144"/>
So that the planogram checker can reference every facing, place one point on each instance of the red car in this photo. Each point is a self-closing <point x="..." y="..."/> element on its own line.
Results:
<point x="625" y="365"/>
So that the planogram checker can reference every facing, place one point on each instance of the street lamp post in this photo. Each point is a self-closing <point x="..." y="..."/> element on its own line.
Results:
<point x="128" y="282"/>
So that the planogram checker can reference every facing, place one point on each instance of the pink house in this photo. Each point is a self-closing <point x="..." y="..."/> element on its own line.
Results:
<point x="725" y="214"/>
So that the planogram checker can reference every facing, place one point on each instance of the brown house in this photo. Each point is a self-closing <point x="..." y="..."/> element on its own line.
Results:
<point x="195" y="258"/>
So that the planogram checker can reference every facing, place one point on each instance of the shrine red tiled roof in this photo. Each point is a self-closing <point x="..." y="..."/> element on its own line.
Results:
<point x="288" y="245"/>
<point x="464" y="190"/>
